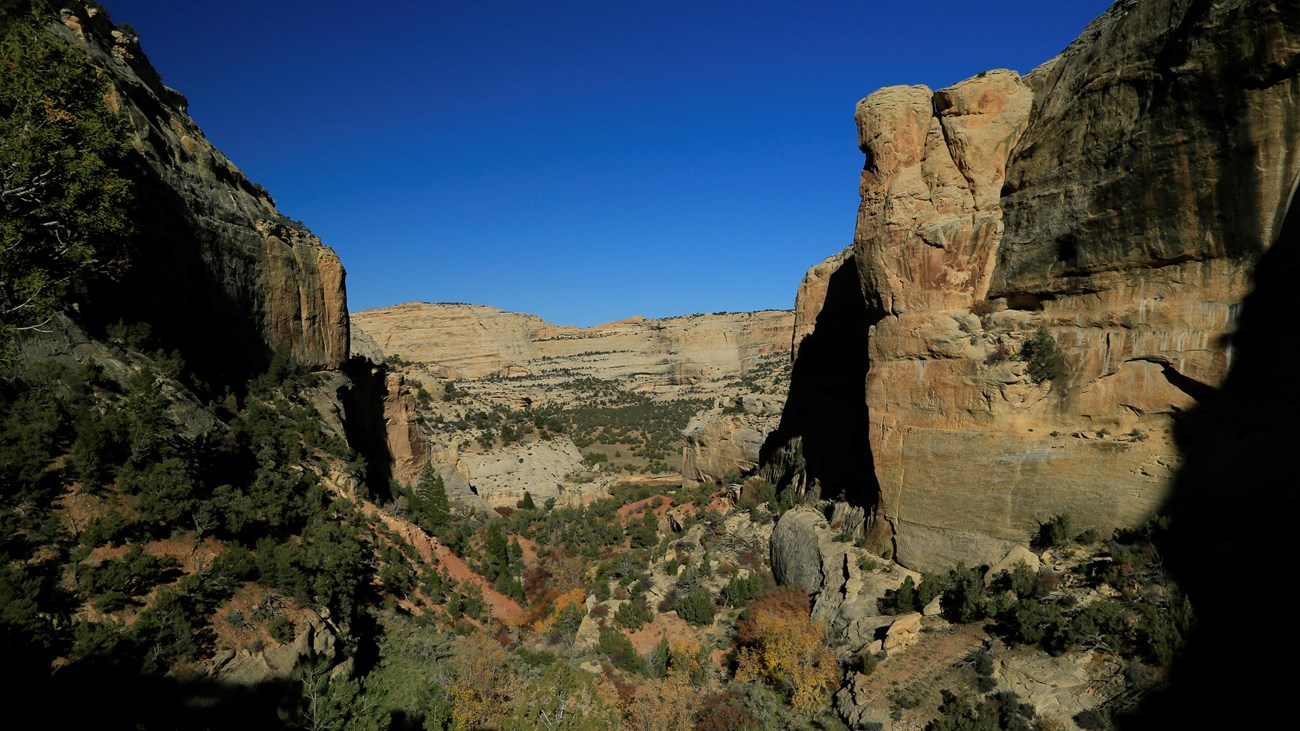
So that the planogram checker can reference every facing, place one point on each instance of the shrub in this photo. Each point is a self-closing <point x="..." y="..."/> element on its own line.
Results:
<point x="633" y="615"/>
<point x="1092" y="720"/>
<point x="618" y="648"/>
<point x="741" y="589"/>
<point x="781" y="645"/>
<point x="1043" y="356"/>
<point x="280" y="629"/>
<point x="867" y="662"/>
<point x="1055" y="532"/>
<point x="697" y="607"/>
<point x="965" y="599"/>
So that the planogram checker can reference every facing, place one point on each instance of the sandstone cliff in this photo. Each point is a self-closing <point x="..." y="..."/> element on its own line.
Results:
<point x="1119" y="196"/>
<point x="488" y="374"/>
<point x="215" y="268"/>
<point x="473" y="341"/>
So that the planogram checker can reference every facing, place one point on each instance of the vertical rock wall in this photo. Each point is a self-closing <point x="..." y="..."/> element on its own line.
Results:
<point x="1118" y="196"/>
<point x="215" y="267"/>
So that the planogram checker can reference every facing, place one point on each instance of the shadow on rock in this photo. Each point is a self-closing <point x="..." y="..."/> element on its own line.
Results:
<point x="1233" y="507"/>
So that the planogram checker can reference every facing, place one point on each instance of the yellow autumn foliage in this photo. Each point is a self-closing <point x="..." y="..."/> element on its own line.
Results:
<point x="666" y="704"/>
<point x="568" y="599"/>
<point x="484" y="683"/>
<point x="790" y="653"/>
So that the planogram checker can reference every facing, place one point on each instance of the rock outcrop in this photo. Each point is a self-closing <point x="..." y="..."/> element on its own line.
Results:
<point x="728" y="441"/>
<point x="1118" y="197"/>
<point x="548" y="469"/>
<point x="473" y="341"/>
<point x="215" y="268"/>
<point x="810" y="552"/>
<point x="468" y="361"/>
<point x="407" y="447"/>
<point x="277" y="663"/>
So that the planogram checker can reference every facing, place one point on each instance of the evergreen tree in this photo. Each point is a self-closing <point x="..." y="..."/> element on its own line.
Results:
<point x="63" y="202"/>
<point x="432" y="511"/>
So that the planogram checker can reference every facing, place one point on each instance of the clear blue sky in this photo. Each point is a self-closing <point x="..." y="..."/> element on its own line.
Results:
<point x="582" y="161"/>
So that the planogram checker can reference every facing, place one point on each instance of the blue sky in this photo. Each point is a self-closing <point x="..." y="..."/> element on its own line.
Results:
<point x="582" y="161"/>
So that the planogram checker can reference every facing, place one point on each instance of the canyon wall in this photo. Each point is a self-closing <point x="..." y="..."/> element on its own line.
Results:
<point x="724" y="372"/>
<point x="460" y="341"/>
<point x="215" y="268"/>
<point x="1118" y="198"/>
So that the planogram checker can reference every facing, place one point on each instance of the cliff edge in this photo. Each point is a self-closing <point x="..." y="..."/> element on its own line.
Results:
<point x="215" y="268"/>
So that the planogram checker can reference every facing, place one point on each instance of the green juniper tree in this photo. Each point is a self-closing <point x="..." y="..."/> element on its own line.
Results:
<point x="63" y="199"/>
<point x="429" y="503"/>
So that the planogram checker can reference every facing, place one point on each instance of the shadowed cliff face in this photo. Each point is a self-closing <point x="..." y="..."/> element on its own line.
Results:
<point x="821" y="439"/>
<point x="216" y="270"/>
<point x="1121" y="197"/>
<point x="1233" y="507"/>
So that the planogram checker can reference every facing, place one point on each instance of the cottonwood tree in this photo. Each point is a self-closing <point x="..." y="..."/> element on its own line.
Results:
<point x="783" y="646"/>
<point x="63" y="199"/>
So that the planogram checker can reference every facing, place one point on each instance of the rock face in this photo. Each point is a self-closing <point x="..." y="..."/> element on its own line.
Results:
<point x="808" y="552"/>
<point x="1118" y="196"/>
<point x="546" y="469"/>
<point x="216" y="268"/>
<point x="474" y="341"/>
<point x="469" y="360"/>
<point x="407" y="448"/>
<point x="728" y="441"/>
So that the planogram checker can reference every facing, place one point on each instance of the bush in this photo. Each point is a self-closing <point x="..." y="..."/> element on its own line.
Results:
<point x="741" y="589"/>
<point x="633" y="615"/>
<point x="132" y="575"/>
<point x="1056" y="532"/>
<point x="618" y="648"/>
<point x="568" y="621"/>
<point x="867" y="662"/>
<point x="1043" y="356"/>
<point x="280" y="629"/>
<point x="965" y="599"/>
<point x="780" y="644"/>
<point x="697" y="607"/>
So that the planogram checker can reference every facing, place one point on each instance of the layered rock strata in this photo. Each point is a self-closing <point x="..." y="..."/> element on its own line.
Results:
<point x="481" y="358"/>
<point x="1119" y="197"/>
<point x="459" y="341"/>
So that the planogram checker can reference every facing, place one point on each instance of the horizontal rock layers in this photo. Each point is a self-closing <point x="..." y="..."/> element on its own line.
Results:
<point x="474" y="341"/>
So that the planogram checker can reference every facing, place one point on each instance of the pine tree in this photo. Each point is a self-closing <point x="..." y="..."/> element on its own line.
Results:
<point x="63" y="199"/>
<point x="432" y="511"/>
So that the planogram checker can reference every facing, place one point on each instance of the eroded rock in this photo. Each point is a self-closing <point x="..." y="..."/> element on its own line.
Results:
<point x="1116" y="197"/>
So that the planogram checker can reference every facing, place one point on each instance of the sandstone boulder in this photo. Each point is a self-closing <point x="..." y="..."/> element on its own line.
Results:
<point x="796" y="555"/>
<point x="1015" y="557"/>
<point x="902" y="632"/>
<point x="808" y="552"/>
